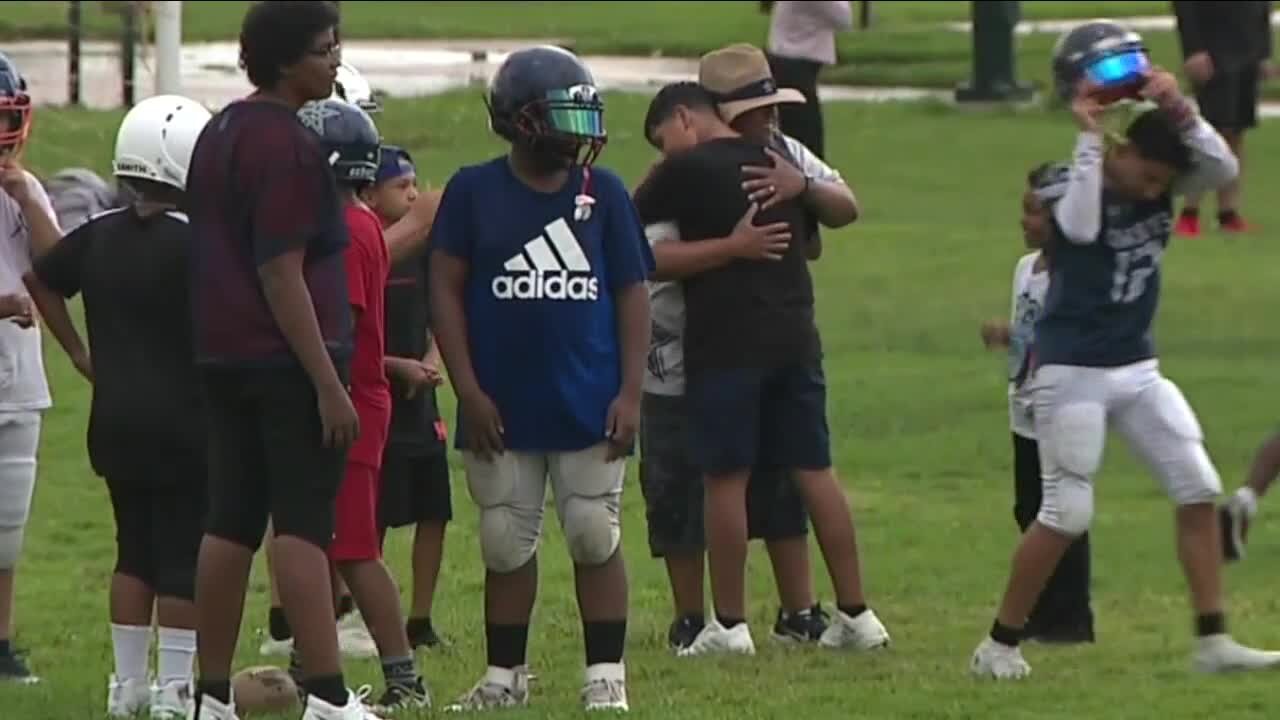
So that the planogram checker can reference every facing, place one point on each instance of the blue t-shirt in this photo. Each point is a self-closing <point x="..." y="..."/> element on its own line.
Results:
<point x="541" y="318"/>
<point x="1103" y="295"/>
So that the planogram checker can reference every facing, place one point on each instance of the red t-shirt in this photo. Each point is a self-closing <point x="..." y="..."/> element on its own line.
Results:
<point x="368" y="264"/>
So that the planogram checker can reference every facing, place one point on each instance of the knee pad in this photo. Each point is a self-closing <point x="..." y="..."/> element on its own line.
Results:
<point x="1181" y="462"/>
<point x="10" y="545"/>
<point x="1067" y="506"/>
<point x="508" y="537"/>
<point x="591" y="528"/>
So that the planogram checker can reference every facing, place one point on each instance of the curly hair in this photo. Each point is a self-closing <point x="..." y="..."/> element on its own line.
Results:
<point x="277" y="33"/>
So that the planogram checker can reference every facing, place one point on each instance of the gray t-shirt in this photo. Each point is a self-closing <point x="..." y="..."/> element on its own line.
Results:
<point x="664" y="373"/>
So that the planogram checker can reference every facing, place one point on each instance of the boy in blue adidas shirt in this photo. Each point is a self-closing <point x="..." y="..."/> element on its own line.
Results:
<point x="537" y="284"/>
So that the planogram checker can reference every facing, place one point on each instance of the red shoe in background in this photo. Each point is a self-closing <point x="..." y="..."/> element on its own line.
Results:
<point x="1231" y="222"/>
<point x="1188" y="225"/>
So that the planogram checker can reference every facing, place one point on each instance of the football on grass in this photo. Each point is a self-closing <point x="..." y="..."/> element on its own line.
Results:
<point x="263" y="689"/>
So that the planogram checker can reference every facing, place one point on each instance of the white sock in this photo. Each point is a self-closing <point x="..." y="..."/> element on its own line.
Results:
<point x="177" y="655"/>
<point x="132" y="645"/>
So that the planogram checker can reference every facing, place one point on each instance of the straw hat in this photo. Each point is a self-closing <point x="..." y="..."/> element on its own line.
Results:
<point x="740" y="79"/>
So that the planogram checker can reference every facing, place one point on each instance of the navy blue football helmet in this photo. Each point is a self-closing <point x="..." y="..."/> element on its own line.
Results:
<point x="15" y="108"/>
<point x="349" y="136"/>
<point x="1110" y="55"/>
<point x="545" y="97"/>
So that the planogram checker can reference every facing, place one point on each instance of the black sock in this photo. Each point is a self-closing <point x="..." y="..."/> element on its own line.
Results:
<point x="399" y="671"/>
<point x="729" y="623"/>
<point x="346" y="605"/>
<point x="219" y="690"/>
<point x="1191" y="212"/>
<point x="506" y="645"/>
<point x="605" y="641"/>
<point x="417" y="627"/>
<point x="278" y="624"/>
<point x="331" y="689"/>
<point x="1211" y="624"/>
<point x="1226" y="216"/>
<point x="1005" y="635"/>
<point x="852" y="611"/>
<point x="6" y="648"/>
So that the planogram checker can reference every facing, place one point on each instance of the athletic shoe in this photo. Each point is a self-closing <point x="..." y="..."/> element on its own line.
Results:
<point x="684" y="631"/>
<point x="171" y="700"/>
<point x="404" y="697"/>
<point x="605" y="688"/>
<point x="715" y="639"/>
<point x="1220" y="654"/>
<point x="1188" y="226"/>
<point x="126" y="698"/>
<point x="497" y="689"/>
<point x="805" y="626"/>
<point x="864" y="632"/>
<point x="14" y="669"/>
<point x="995" y="660"/>
<point x="355" y="709"/>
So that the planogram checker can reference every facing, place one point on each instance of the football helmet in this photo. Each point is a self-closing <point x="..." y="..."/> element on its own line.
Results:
<point x="1107" y="53"/>
<point x="351" y="86"/>
<point x="349" y="136"/>
<point x="545" y="97"/>
<point x="15" y="108"/>
<point x="156" y="139"/>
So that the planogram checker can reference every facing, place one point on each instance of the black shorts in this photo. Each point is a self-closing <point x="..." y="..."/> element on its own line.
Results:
<point x="159" y="526"/>
<point x="672" y="486"/>
<point x="267" y="457"/>
<point x="746" y="418"/>
<point x="414" y="488"/>
<point x="1229" y="101"/>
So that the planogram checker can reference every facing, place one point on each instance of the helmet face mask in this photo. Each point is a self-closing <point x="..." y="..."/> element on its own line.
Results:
<point x="544" y="99"/>
<point x="15" y="109"/>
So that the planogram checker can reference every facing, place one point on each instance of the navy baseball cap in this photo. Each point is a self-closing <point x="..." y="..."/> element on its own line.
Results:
<point x="396" y="162"/>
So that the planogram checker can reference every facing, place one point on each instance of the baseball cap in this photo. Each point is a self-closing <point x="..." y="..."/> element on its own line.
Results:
<point x="395" y="163"/>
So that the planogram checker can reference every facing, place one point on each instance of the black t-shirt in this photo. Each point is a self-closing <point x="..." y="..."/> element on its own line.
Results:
<point x="413" y="420"/>
<point x="748" y="313"/>
<point x="147" y="410"/>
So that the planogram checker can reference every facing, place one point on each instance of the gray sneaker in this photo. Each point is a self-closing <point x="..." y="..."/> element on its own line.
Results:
<point x="601" y="694"/>
<point x="489" y="695"/>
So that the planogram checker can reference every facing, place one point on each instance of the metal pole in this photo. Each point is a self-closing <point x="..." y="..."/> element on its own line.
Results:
<point x="168" y="15"/>
<point x="128" y="51"/>
<point x="74" y="30"/>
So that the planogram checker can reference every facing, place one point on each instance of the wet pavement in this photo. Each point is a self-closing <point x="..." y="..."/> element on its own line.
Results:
<point x="398" y="68"/>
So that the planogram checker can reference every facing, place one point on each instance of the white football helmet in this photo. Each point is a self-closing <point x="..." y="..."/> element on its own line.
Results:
<point x="351" y="87"/>
<point x="156" y="139"/>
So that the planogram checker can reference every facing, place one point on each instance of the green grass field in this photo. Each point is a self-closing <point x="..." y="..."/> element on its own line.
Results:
<point x="905" y="46"/>
<point x="918" y="417"/>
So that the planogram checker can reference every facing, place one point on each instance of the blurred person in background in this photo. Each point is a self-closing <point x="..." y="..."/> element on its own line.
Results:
<point x="802" y="39"/>
<point x="1226" y="48"/>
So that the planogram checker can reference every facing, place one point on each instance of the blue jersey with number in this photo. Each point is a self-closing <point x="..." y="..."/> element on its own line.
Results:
<point x="1103" y="295"/>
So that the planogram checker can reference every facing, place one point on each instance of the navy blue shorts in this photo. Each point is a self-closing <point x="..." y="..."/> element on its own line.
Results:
<point x="747" y="417"/>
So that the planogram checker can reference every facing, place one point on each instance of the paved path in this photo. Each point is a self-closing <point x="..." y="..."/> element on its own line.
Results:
<point x="400" y="68"/>
<point x="1153" y="22"/>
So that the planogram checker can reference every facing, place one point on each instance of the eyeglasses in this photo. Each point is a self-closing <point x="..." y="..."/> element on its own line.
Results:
<point x="334" y="50"/>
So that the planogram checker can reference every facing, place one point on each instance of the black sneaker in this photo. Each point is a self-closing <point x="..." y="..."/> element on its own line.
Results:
<point x="403" y="697"/>
<point x="14" y="669"/>
<point x="424" y="637"/>
<point x="684" y="631"/>
<point x="805" y="626"/>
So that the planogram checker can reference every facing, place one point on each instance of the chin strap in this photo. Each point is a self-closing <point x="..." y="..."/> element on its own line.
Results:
<point x="584" y="201"/>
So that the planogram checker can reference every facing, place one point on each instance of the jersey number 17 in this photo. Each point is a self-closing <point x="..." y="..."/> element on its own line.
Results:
<point x="1129" y="281"/>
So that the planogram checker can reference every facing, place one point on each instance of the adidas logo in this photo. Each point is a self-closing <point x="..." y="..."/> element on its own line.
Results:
<point x="551" y="266"/>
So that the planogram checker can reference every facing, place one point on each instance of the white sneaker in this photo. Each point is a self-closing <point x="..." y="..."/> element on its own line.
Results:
<point x="210" y="709"/>
<point x="864" y="632"/>
<point x="499" y="688"/>
<point x="355" y="709"/>
<point x="171" y="700"/>
<point x="605" y="688"/>
<point x="714" y="638"/>
<point x="276" y="648"/>
<point x="1220" y="653"/>
<point x="126" y="698"/>
<point x="999" y="661"/>
<point x="354" y="639"/>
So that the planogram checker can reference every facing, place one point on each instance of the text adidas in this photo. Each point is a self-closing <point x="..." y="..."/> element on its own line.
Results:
<point x="553" y="285"/>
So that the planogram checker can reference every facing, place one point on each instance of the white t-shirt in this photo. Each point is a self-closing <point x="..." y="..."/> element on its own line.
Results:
<point x="1029" y="288"/>
<point x="23" y="386"/>
<point x="664" y="373"/>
